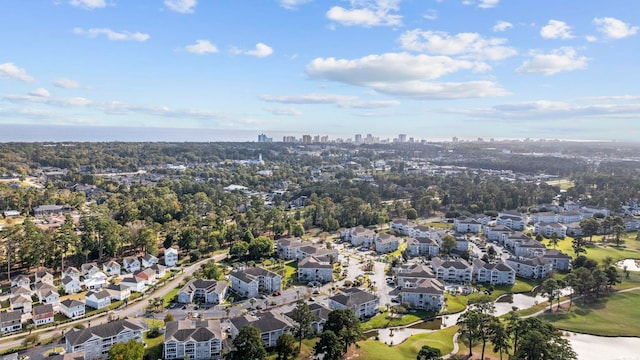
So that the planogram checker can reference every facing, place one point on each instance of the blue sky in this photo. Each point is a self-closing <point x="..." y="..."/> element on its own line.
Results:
<point x="432" y="69"/>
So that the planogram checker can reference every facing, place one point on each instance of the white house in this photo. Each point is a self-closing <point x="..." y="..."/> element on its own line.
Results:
<point x="546" y="217"/>
<point x="467" y="225"/>
<point x="170" y="257"/>
<point x="44" y="276"/>
<point x="98" y="299"/>
<point x="424" y="294"/>
<point x="134" y="283"/>
<point x="386" y="243"/>
<point x="118" y="292"/>
<point x="96" y="341"/>
<point x="313" y="269"/>
<point x="148" y="260"/>
<point x="493" y="273"/>
<point x="547" y="229"/>
<point x="10" y="321"/>
<point x="21" y="281"/>
<point x="131" y="264"/>
<point x="96" y="281"/>
<point x="47" y="294"/>
<point x="452" y="270"/>
<point x="70" y="285"/>
<point x="528" y="248"/>
<point x="559" y="260"/>
<point x="400" y="226"/>
<point x="512" y="219"/>
<point x="111" y="268"/>
<point x="422" y="246"/>
<point x="364" y="304"/>
<point x="287" y="248"/>
<point x="408" y="275"/>
<point x="21" y="302"/>
<point x="72" y="308"/>
<point x="359" y="236"/>
<point x="207" y="291"/>
<point x="198" y="340"/>
<point x="497" y="233"/>
<point x="89" y="269"/>
<point x="270" y="324"/>
<point x="531" y="268"/>
<point x="71" y="272"/>
<point x="249" y="281"/>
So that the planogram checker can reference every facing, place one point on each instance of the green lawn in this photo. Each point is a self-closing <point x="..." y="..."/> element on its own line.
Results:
<point x="629" y="249"/>
<point x="374" y="349"/>
<point x="615" y="315"/>
<point x="383" y="320"/>
<point x="170" y="295"/>
<point x="457" y="303"/>
<point x="440" y="225"/>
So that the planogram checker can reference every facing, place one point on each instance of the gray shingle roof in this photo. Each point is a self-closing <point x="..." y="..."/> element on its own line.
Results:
<point x="193" y="330"/>
<point x="353" y="297"/>
<point x="80" y="336"/>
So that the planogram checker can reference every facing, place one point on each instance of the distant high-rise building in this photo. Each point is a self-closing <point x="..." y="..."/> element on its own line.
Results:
<point x="316" y="138"/>
<point x="262" y="138"/>
<point x="324" y="139"/>
<point x="306" y="139"/>
<point x="402" y="138"/>
<point x="454" y="139"/>
<point x="358" y="138"/>
<point x="288" y="139"/>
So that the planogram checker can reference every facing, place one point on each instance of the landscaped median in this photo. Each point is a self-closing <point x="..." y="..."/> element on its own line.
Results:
<point x="374" y="349"/>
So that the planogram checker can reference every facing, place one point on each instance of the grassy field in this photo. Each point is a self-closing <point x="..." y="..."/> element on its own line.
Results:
<point x="375" y="350"/>
<point x="629" y="249"/>
<point x="440" y="225"/>
<point x="615" y="315"/>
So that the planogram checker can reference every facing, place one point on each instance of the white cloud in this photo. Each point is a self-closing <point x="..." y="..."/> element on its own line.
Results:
<point x="11" y="71"/>
<point x="261" y="50"/>
<point x="556" y="29"/>
<point x="424" y="90"/>
<point x="487" y="4"/>
<point x="388" y="67"/>
<point x="112" y="35"/>
<point x="558" y="60"/>
<point x="292" y="4"/>
<point x="88" y="4"/>
<point x="430" y="14"/>
<point x="614" y="28"/>
<point x="181" y="6"/>
<point x="288" y="111"/>
<point x="501" y="26"/>
<point x="471" y="45"/>
<point x="202" y="47"/>
<point x="343" y="101"/>
<point x="367" y="13"/>
<point x="40" y="92"/>
<point x="48" y="100"/>
<point x="66" y="83"/>
<point x="591" y="38"/>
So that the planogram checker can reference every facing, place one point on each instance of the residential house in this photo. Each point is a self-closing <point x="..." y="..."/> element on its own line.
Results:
<point x="632" y="224"/>
<point x="567" y="217"/>
<point x="548" y="229"/>
<point x="313" y="269"/>
<point x="493" y="273"/>
<point x="574" y="229"/>
<point x="159" y="270"/>
<point x="134" y="283"/>
<point x="148" y="275"/>
<point x="545" y="217"/>
<point x="89" y="269"/>
<point x="512" y="219"/>
<point x="170" y="257"/>
<point x="359" y="236"/>
<point x="96" y="341"/>
<point x="98" y="299"/>
<point x="270" y="324"/>
<point x="71" y="272"/>
<point x="559" y="260"/>
<point x="47" y="294"/>
<point x="118" y="292"/>
<point x="462" y="242"/>
<point x="596" y="210"/>
<point x="400" y="226"/>
<point x="287" y="248"/>
<point x="531" y="268"/>
<point x="514" y="237"/>
<point x="417" y="231"/>
<point x="467" y="225"/>
<point x="427" y="293"/>
<point x="70" y="285"/>
<point x="571" y="205"/>
<point x="408" y="275"/>
<point x="43" y="314"/>
<point x="131" y="264"/>
<point x="44" y="276"/>
<point x="21" y="302"/>
<point x="111" y="268"/>
<point x="10" y="321"/>
<point x="319" y="251"/>
<point x="72" y="308"/>
<point x="364" y="304"/>
<point x="193" y="339"/>
<point x="319" y="314"/>
<point x="528" y="248"/>
<point x="452" y="270"/>
<point x="386" y="243"/>
<point x="148" y="260"/>
<point x="206" y="291"/>
<point x="21" y="281"/>
<point x="497" y="233"/>
<point x="11" y="214"/>
<point x="422" y="246"/>
<point x="249" y="281"/>
<point x="96" y="281"/>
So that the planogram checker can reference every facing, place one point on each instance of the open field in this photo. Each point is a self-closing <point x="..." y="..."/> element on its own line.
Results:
<point x="629" y="249"/>
<point x="384" y="319"/>
<point x="615" y="315"/>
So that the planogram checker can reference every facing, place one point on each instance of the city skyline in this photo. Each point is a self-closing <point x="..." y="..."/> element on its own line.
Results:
<point x="428" y="69"/>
